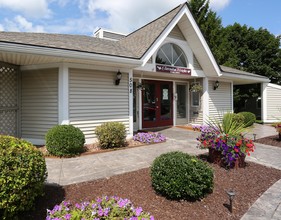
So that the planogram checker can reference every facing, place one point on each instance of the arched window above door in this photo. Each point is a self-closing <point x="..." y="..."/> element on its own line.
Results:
<point x="172" y="55"/>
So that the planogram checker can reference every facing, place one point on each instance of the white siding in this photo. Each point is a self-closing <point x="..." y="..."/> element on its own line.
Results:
<point x="39" y="102"/>
<point x="177" y="34"/>
<point x="220" y="100"/>
<point x="273" y="101"/>
<point x="94" y="99"/>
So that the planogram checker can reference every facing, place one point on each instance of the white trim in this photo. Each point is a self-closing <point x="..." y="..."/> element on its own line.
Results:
<point x="184" y="11"/>
<point x="264" y="102"/>
<point x="245" y="77"/>
<point x="203" y="41"/>
<point x="274" y="86"/>
<point x="174" y="104"/>
<point x="131" y="104"/>
<point x="232" y="101"/>
<point x="206" y="97"/>
<point x="63" y="111"/>
<point x="140" y="105"/>
<point x="74" y="66"/>
<point x="55" y="52"/>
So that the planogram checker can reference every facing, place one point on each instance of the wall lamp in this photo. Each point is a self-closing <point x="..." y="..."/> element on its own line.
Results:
<point x="216" y="85"/>
<point x="118" y="77"/>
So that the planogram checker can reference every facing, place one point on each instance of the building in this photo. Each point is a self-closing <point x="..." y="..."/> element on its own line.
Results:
<point x="162" y="74"/>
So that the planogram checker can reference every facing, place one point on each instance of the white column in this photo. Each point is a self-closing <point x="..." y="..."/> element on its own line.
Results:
<point x="140" y="106"/>
<point x="205" y="99"/>
<point x="131" y="100"/>
<point x="232" y="98"/>
<point x="63" y="94"/>
<point x="174" y="94"/>
<point x="264" y="102"/>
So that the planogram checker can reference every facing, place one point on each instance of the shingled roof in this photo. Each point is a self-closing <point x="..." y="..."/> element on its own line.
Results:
<point x="240" y="72"/>
<point x="132" y="46"/>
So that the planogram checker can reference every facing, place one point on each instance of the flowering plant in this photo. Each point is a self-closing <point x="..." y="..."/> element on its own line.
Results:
<point x="231" y="147"/>
<point x="149" y="137"/>
<point x="101" y="209"/>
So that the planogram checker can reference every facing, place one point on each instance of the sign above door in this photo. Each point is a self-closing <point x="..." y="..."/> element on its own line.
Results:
<point x="173" y="69"/>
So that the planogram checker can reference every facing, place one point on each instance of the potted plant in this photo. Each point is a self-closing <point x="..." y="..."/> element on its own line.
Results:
<point x="226" y="150"/>
<point x="196" y="87"/>
<point x="227" y="147"/>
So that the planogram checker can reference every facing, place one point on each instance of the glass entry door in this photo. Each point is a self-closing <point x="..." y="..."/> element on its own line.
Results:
<point x="157" y="104"/>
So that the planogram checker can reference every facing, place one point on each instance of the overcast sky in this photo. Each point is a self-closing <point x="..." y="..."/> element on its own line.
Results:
<point x="85" y="16"/>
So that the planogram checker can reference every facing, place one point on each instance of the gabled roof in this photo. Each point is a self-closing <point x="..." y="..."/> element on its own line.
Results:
<point x="142" y="39"/>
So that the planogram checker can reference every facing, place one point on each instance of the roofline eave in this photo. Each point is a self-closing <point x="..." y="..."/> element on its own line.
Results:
<point x="240" y="76"/>
<point x="66" y="53"/>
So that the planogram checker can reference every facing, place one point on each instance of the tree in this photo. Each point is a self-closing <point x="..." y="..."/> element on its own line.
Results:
<point x="255" y="51"/>
<point x="210" y="25"/>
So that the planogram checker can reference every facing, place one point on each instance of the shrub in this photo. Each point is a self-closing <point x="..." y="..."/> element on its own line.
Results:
<point x="23" y="172"/>
<point x="177" y="175"/>
<point x="65" y="140"/>
<point x="249" y="118"/>
<point x="238" y="118"/>
<point x="229" y="124"/>
<point x="103" y="208"/>
<point x="111" y="135"/>
<point x="149" y="137"/>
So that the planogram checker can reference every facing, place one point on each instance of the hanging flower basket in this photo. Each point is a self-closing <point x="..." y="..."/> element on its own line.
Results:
<point x="196" y="87"/>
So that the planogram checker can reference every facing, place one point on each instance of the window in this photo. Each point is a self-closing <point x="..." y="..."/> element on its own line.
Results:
<point x="171" y="55"/>
<point x="195" y="98"/>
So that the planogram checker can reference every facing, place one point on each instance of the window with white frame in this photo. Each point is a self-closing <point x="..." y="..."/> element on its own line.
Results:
<point x="172" y="55"/>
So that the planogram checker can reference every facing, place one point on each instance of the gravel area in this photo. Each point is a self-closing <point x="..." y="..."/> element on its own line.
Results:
<point x="270" y="140"/>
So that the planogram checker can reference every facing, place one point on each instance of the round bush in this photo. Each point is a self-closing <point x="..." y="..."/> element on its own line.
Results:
<point x="177" y="175"/>
<point x="65" y="140"/>
<point x="249" y="118"/>
<point x="22" y="176"/>
<point x="111" y="135"/>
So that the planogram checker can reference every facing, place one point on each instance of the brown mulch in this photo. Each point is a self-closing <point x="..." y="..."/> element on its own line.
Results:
<point x="249" y="184"/>
<point x="270" y="140"/>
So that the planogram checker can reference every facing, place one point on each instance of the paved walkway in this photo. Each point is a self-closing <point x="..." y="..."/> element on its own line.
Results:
<point x="103" y="165"/>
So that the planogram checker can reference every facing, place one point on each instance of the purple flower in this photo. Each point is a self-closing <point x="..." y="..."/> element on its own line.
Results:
<point x="67" y="216"/>
<point x="138" y="211"/>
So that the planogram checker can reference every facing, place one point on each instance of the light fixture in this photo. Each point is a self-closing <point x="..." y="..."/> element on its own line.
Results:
<point x="140" y="86"/>
<point x="216" y="85"/>
<point x="231" y="195"/>
<point x="118" y="77"/>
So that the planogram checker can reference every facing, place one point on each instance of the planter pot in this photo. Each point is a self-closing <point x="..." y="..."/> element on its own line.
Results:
<point x="217" y="158"/>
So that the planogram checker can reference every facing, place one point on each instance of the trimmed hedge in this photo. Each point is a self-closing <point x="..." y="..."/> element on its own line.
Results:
<point x="65" y="140"/>
<point x="249" y="118"/>
<point x="177" y="175"/>
<point x="111" y="135"/>
<point x="23" y="172"/>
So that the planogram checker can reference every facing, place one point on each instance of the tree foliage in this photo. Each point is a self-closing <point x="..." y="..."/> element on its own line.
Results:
<point x="239" y="46"/>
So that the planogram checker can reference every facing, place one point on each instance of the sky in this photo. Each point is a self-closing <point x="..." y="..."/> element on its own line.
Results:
<point x="86" y="16"/>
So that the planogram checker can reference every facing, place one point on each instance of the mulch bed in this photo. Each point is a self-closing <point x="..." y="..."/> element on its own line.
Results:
<point x="249" y="184"/>
<point x="270" y="140"/>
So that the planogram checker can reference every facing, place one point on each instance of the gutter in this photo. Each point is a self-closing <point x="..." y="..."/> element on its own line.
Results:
<point x="257" y="78"/>
<point x="65" y="53"/>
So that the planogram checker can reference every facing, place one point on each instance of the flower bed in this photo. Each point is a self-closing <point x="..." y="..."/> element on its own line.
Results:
<point x="100" y="209"/>
<point x="149" y="137"/>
